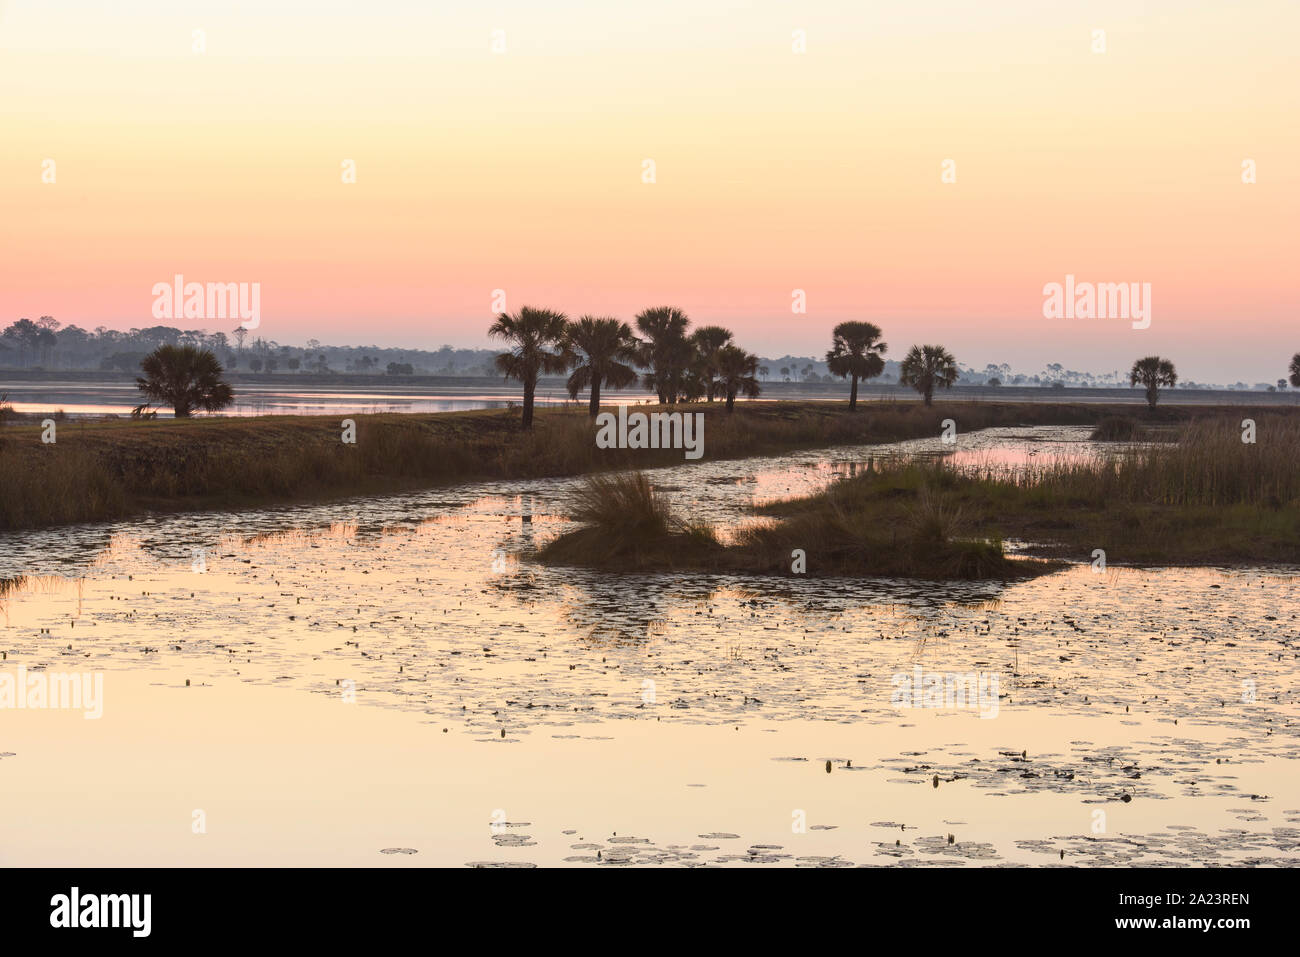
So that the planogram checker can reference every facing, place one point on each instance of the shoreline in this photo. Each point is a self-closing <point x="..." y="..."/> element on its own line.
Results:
<point x="107" y="470"/>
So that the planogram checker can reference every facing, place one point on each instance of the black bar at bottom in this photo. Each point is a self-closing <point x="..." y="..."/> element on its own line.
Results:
<point x="301" y="906"/>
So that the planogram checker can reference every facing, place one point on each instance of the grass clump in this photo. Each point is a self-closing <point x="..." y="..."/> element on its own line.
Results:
<point x="7" y="411"/>
<point x="1115" y="428"/>
<point x="627" y="524"/>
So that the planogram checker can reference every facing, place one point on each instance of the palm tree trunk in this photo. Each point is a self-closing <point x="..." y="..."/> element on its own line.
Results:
<point x="929" y="394"/>
<point x="529" y="389"/>
<point x="1152" y="396"/>
<point x="731" y="400"/>
<point x="853" y="394"/>
<point x="595" y="397"/>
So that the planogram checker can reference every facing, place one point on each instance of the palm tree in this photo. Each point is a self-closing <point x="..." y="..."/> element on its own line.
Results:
<point x="707" y="341"/>
<point x="925" y="367"/>
<point x="665" y="350"/>
<point x="600" y="350"/>
<point x="737" y="371"/>
<point x="1153" y="372"/>
<point x="533" y="332"/>
<point x="856" y="351"/>
<point x="1295" y="370"/>
<point x="184" y="377"/>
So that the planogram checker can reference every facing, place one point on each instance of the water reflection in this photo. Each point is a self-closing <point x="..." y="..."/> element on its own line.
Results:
<point x="1184" y="676"/>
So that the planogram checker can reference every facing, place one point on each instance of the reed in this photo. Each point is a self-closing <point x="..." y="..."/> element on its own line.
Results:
<point x="107" y="470"/>
<point x="1208" y="497"/>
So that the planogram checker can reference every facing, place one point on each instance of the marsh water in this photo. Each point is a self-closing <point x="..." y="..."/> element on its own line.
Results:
<point x="392" y="680"/>
<point x="118" y="398"/>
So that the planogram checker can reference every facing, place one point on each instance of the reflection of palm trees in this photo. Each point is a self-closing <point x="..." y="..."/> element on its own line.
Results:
<point x="526" y="522"/>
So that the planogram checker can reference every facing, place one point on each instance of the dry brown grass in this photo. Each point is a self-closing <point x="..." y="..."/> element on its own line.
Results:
<point x="103" y="470"/>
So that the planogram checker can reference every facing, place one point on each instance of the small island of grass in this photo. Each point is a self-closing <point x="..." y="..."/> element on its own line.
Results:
<point x="1211" y="497"/>
<point x="627" y="526"/>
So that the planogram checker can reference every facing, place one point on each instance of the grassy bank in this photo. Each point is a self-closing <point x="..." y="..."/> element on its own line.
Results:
<point x="104" y="470"/>
<point x="1205" y="498"/>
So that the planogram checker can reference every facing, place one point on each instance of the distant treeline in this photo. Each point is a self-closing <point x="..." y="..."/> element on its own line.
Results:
<point x="47" y="344"/>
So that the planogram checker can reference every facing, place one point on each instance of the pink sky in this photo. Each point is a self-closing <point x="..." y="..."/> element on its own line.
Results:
<point x="522" y="170"/>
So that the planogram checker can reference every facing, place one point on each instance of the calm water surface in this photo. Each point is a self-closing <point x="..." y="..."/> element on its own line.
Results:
<point x="390" y="680"/>
<point x="251" y="398"/>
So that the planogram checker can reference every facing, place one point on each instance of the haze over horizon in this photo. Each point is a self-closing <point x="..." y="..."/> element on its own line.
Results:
<point x="775" y="171"/>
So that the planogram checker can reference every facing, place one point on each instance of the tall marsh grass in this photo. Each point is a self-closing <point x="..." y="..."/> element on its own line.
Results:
<point x="106" y="470"/>
<point x="1207" y="498"/>
<point x="1208" y="465"/>
<point x="101" y="471"/>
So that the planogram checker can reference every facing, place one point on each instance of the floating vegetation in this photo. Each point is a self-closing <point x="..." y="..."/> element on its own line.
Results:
<point x="1175" y="689"/>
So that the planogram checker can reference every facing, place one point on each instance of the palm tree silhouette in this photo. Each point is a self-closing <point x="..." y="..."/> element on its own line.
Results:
<point x="856" y="351"/>
<point x="665" y="350"/>
<point x="707" y="341"/>
<point x="533" y="333"/>
<point x="926" y="367"/>
<point x="1153" y="372"/>
<point x="184" y="377"/>
<point x="1295" y="370"/>
<point x="600" y="349"/>
<point x="737" y="371"/>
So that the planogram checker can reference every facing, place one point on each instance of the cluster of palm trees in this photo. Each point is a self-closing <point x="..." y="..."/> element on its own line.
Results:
<point x="856" y="353"/>
<point x="680" y="365"/>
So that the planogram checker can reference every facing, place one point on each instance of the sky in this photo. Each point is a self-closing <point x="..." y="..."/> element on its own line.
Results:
<point x="503" y="146"/>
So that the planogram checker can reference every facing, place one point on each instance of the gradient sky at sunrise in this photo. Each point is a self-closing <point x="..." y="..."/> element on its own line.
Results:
<point x="522" y="170"/>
